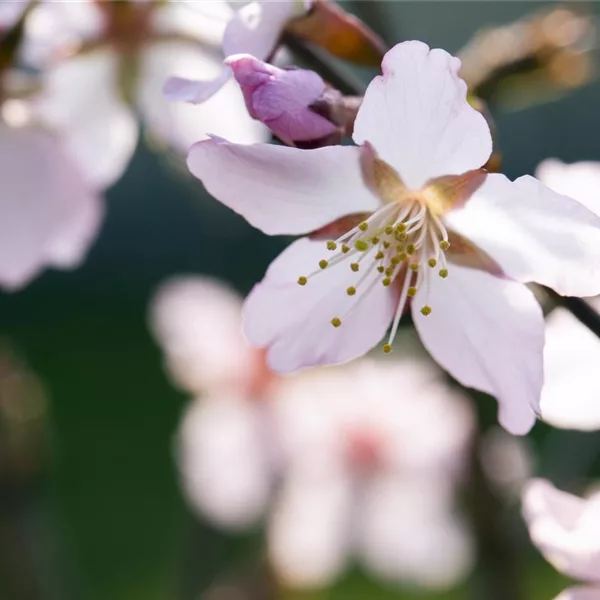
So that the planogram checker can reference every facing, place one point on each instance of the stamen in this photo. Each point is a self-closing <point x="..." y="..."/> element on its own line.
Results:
<point x="363" y="226"/>
<point x="336" y="321"/>
<point x="354" y="267"/>
<point x="331" y="245"/>
<point x="345" y="249"/>
<point x="432" y="262"/>
<point x="302" y="280"/>
<point x="412" y="291"/>
<point x="351" y="291"/>
<point x="387" y="348"/>
<point x="443" y="273"/>
<point x="444" y="245"/>
<point x="361" y="245"/>
<point x="323" y="263"/>
<point x="426" y="310"/>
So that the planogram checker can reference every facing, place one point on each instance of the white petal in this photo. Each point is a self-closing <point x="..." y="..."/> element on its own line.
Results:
<point x="294" y="322"/>
<point x="80" y="99"/>
<point x="178" y="124"/>
<point x="580" y="593"/>
<point x="418" y="119"/>
<point x="197" y="321"/>
<point x="580" y="180"/>
<point x="309" y="530"/>
<point x="571" y="393"/>
<point x="224" y="460"/>
<point x="565" y="528"/>
<point x="409" y="532"/>
<point x="256" y="28"/>
<point x="283" y="190"/>
<point x="53" y="27"/>
<point x="534" y="234"/>
<point x="488" y="333"/>
<point x="48" y="215"/>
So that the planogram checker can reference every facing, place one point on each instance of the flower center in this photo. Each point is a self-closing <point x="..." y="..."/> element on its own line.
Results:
<point x="404" y="241"/>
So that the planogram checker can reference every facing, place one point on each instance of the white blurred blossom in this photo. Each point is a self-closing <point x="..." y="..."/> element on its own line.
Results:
<point x="356" y="461"/>
<point x="571" y="393"/>
<point x="104" y="65"/>
<point x="566" y="529"/>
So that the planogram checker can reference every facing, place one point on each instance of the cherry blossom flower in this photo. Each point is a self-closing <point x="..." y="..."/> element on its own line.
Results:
<point x="337" y="464"/>
<point x="410" y="214"/>
<point x="571" y="388"/>
<point x="281" y="98"/>
<point x="566" y="529"/>
<point x="104" y="63"/>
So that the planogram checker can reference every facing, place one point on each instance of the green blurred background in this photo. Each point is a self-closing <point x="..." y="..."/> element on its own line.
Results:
<point x="99" y="515"/>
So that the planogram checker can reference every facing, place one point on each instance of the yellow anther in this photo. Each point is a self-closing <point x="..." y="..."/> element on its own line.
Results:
<point x="401" y="236"/>
<point x="375" y="240"/>
<point x="336" y="321"/>
<point x="444" y="245"/>
<point x="426" y="310"/>
<point x="302" y="280"/>
<point x="345" y="248"/>
<point x="361" y="245"/>
<point x="414" y="267"/>
<point x="389" y="230"/>
<point x="402" y="256"/>
<point x="396" y="260"/>
<point x="389" y="271"/>
<point x="386" y="244"/>
<point x="387" y="281"/>
<point x="412" y="291"/>
<point x="331" y="246"/>
<point x="363" y="226"/>
<point x="379" y="255"/>
<point x="351" y="291"/>
<point x="443" y="273"/>
<point x="354" y="266"/>
<point x="323" y="263"/>
<point x="387" y="348"/>
<point x="410" y="249"/>
<point x="399" y="248"/>
<point x="401" y="227"/>
<point x="432" y="262"/>
<point x="381" y="268"/>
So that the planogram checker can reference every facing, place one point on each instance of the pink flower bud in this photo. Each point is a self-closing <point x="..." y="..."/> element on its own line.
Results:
<point x="282" y="98"/>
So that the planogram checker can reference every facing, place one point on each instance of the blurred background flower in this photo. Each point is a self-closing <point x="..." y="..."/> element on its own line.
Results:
<point x="359" y="460"/>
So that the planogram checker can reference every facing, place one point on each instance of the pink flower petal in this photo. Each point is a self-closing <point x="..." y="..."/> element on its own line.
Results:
<point x="580" y="180"/>
<point x="580" y="593"/>
<point x="534" y="234"/>
<point x="565" y="528"/>
<point x="294" y="321"/>
<point x="283" y="190"/>
<point x="192" y="90"/>
<point x="224" y="460"/>
<point x="571" y="386"/>
<point x="197" y="322"/>
<point x="80" y="99"/>
<point x="418" y="119"/>
<point x="281" y="98"/>
<point x="256" y="27"/>
<point x="180" y="124"/>
<point x="309" y="531"/>
<point x="488" y="333"/>
<point x="48" y="215"/>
